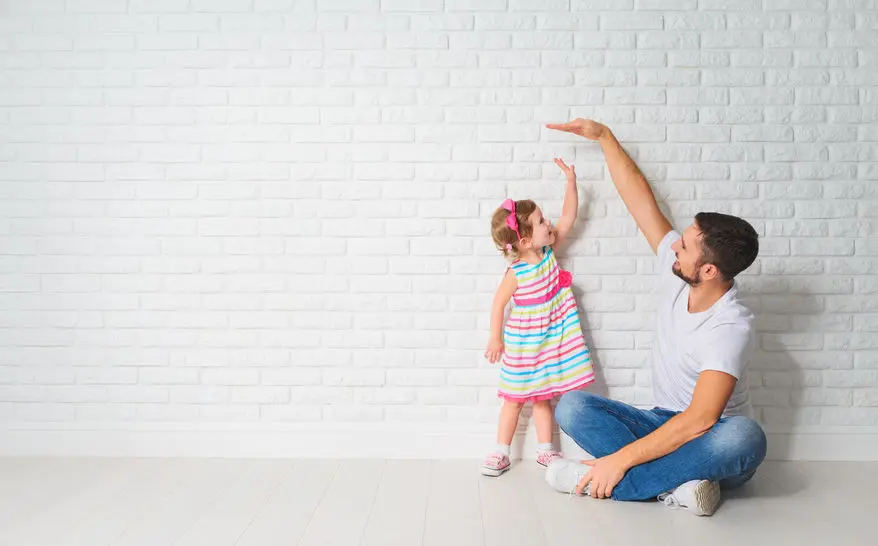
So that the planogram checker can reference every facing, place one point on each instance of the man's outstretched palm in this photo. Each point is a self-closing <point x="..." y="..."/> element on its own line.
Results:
<point x="587" y="128"/>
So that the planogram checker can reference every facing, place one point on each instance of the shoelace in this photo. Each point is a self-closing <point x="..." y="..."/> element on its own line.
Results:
<point x="572" y="495"/>
<point x="670" y="501"/>
<point x="552" y="455"/>
<point x="494" y="460"/>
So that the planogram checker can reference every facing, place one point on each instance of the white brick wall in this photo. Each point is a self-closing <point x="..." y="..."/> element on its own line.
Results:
<point x="276" y="212"/>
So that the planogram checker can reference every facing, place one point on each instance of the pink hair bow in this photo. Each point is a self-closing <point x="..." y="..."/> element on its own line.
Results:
<point x="512" y="219"/>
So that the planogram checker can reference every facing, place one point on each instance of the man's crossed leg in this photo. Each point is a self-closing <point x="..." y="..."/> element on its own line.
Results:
<point x="725" y="456"/>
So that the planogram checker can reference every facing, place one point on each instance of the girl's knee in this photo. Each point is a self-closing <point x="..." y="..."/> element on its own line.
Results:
<point x="513" y="405"/>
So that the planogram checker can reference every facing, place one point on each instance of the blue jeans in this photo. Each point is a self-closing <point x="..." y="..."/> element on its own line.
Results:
<point x="729" y="452"/>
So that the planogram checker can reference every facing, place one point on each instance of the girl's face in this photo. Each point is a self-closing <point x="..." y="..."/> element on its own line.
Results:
<point x="543" y="232"/>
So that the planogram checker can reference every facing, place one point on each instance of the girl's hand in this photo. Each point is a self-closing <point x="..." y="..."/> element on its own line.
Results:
<point x="569" y="172"/>
<point x="494" y="350"/>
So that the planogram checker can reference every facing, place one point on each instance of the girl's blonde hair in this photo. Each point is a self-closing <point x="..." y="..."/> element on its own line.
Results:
<point x="504" y="235"/>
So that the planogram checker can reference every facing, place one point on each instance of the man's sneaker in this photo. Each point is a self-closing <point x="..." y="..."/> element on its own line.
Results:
<point x="495" y="464"/>
<point x="563" y="475"/>
<point x="544" y="458"/>
<point x="701" y="497"/>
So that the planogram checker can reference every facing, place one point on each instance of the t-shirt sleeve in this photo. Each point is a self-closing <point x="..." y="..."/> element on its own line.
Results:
<point x="726" y="349"/>
<point x="665" y="255"/>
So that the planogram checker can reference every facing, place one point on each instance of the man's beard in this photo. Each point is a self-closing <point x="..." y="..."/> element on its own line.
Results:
<point x="691" y="281"/>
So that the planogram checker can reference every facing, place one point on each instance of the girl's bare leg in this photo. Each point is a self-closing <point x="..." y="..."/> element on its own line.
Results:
<point x="508" y="421"/>
<point x="543" y="421"/>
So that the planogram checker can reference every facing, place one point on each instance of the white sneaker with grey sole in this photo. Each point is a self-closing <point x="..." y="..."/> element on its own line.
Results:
<point x="563" y="475"/>
<point x="701" y="497"/>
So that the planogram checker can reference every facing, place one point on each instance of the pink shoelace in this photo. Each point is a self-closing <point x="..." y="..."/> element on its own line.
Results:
<point x="546" y="457"/>
<point x="496" y="461"/>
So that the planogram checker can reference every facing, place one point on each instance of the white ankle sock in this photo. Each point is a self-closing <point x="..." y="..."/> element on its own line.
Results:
<point x="503" y="448"/>
<point x="542" y="448"/>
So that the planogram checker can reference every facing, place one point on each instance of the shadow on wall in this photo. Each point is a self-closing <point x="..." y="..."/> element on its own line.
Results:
<point x="789" y="325"/>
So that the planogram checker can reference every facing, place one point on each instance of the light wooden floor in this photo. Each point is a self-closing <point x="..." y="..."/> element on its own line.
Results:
<point x="215" y="502"/>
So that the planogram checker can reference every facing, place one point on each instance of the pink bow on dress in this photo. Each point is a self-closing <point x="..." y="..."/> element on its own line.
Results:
<point x="565" y="279"/>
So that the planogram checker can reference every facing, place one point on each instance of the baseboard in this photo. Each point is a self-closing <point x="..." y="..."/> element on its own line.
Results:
<point x="355" y="440"/>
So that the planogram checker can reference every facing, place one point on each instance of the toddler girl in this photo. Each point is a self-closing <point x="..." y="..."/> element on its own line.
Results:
<point x="545" y="353"/>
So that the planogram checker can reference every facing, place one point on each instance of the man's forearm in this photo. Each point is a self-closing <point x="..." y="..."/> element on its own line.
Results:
<point x="630" y="182"/>
<point x="677" y="431"/>
<point x="634" y="191"/>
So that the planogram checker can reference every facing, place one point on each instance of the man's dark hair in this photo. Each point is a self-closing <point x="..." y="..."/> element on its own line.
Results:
<point x="728" y="242"/>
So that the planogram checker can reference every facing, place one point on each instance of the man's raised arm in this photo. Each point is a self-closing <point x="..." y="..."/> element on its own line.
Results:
<point x="630" y="182"/>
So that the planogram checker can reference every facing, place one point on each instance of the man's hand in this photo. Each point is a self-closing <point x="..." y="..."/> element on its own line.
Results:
<point x="587" y="128"/>
<point x="605" y="473"/>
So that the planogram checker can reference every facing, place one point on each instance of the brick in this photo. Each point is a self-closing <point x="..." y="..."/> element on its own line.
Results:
<point x="229" y="377"/>
<point x="865" y="397"/>
<point x="665" y="41"/>
<point x="823" y="247"/>
<point x="488" y="5"/>
<point x="796" y="152"/>
<point x="829" y="57"/>
<point x="348" y="5"/>
<point x="798" y="77"/>
<point x="417" y="378"/>
<point x="567" y="21"/>
<point x="826" y="96"/>
<point x="764" y="58"/>
<point x="642" y="21"/>
<point x="737" y="39"/>
<point x="504" y="21"/>
<point x="418" y="6"/>
<point x="640" y="58"/>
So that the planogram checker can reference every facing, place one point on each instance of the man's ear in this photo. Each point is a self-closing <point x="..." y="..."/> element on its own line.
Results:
<point x="709" y="272"/>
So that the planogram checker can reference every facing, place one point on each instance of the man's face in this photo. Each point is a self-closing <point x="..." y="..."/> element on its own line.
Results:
<point x="688" y="252"/>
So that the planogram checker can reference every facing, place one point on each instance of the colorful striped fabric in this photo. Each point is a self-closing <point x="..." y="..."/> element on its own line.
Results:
<point x="546" y="354"/>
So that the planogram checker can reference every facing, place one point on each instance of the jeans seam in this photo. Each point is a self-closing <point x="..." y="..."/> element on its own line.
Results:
<point x="621" y="417"/>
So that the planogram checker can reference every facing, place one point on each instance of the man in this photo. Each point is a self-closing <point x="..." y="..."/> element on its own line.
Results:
<point x="700" y="436"/>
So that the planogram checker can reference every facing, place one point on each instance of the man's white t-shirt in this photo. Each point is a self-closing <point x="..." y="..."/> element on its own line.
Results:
<point x="686" y="344"/>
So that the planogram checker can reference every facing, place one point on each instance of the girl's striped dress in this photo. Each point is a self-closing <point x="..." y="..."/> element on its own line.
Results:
<point x="545" y="352"/>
